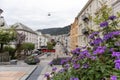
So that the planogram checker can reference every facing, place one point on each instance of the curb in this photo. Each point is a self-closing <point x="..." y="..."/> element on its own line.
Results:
<point x="41" y="76"/>
<point x="26" y="76"/>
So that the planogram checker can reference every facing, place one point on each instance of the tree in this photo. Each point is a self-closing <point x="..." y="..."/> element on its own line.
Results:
<point x="6" y="36"/>
<point x="10" y="50"/>
<point x="26" y="46"/>
<point x="51" y="44"/>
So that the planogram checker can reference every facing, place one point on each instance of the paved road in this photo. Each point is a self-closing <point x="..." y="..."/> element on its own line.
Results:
<point x="37" y="72"/>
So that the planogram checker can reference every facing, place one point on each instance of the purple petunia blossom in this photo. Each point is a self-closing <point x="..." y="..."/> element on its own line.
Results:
<point x="104" y="24"/>
<point x="63" y="61"/>
<point x="73" y="51"/>
<point x="67" y="66"/>
<point x="108" y="36"/>
<point x="54" y="69"/>
<point x="113" y="77"/>
<point x="111" y="49"/>
<point x="93" y="57"/>
<point x="116" y="54"/>
<point x="76" y="66"/>
<point x="117" y="64"/>
<point x="85" y="53"/>
<point x="91" y="36"/>
<point x="61" y="70"/>
<point x="112" y="17"/>
<point x="74" y="78"/>
<point x="100" y="50"/>
<point x="47" y="75"/>
<point x="85" y="66"/>
<point x="97" y="41"/>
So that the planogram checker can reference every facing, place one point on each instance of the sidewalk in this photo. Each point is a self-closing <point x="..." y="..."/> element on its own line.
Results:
<point x="47" y="68"/>
<point x="13" y="72"/>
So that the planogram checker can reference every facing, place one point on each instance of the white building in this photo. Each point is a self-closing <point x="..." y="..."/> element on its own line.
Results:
<point x="42" y="40"/>
<point x="30" y="35"/>
<point x="90" y="9"/>
<point x="116" y="6"/>
<point x="2" y="21"/>
<point x="64" y="40"/>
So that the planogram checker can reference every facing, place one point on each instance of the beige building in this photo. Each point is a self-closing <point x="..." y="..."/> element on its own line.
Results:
<point x="30" y="35"/>
<point x="74" y="34"/>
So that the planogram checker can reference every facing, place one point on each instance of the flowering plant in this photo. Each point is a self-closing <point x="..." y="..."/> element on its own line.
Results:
<point x="100" y="60"/>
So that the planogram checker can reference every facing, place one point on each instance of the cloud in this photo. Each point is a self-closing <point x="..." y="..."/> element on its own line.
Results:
<point x="34" y="13"/>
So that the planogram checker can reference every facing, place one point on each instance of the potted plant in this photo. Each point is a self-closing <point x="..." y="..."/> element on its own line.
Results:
<point x="32" y="60"/>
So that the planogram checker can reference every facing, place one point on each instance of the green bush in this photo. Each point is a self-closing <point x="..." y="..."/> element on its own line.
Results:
<point x="32" y="60"/>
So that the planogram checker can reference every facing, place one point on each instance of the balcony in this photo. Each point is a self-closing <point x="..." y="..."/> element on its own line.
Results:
<point x="85" y="31"/>
<point x="85" y="17"/>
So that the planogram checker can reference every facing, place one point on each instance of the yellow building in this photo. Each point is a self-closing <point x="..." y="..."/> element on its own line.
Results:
<point x="74" y="34"/>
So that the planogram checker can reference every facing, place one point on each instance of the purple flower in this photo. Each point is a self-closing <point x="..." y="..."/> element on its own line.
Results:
<point x="54" y="69"/>
<point x="113" y="77"/>
<point x="112" y="17"/>
<point x="74" y="78"/>
<point x="74" y="60"/>
<point x="47" y="75"/>
<point x="93" y="57"/>
<point x="100" y="50"/>
<point x="67" y="66"/>
<point x="63" y="61"/>
<point x="85" y="53"/>
<point x="104" y="24"/>
<point x="51" y="63"/>
<point x="91" y="36"/>
<point x="97" y="41"/>
<point x="91" y="43"/>
<point x="85" y="65"/>
<point x="76" y="66"/>
<point x="116" y="54"/>
<point x="107" y="36"/>
<point x="111" y="49"/>
<point x="61" y="70"/>
<point x="117" y="64"/>
<point x="77" y="49"/>
<point x="73" y="51"/>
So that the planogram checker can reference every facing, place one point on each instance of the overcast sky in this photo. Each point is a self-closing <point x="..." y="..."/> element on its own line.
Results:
<point x="34" y="13"/>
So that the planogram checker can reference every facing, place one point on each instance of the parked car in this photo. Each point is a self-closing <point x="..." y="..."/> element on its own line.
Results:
<point x="37" y="52"/>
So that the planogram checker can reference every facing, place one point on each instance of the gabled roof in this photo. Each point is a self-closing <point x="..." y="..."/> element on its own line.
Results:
<point x="20" y="26"/>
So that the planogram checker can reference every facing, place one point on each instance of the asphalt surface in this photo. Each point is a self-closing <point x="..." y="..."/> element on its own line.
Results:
<point x="36" y="73"/>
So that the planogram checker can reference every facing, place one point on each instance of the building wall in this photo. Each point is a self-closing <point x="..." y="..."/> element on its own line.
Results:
<point x="3" y="23"/>
<point x="30" y="37"/>
<point x="42" y="40"/>
<point x="116" y="6"/>
<point x="74" y="34"/>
